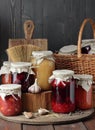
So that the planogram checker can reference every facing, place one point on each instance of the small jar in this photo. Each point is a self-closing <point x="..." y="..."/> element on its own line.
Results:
<point x="44" y="64"/>
<point x="63" y="91"/>
<point x="5" y="73"/>
<point x="22" y="74"/>
<point x="10" y="99"/>
<point x="83" y="91"/>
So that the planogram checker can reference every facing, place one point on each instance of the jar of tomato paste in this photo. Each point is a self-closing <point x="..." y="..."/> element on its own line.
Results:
<point x="44" y="64"/>
<point x="63" y="91"/>
<point x="5" y="73"/>
<point x="22" y="74"/>
<point x="83" y="91"/>
<point x="10" y="99"/>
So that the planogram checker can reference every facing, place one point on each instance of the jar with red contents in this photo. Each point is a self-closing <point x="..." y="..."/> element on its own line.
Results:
<point x="5" y="73"/>
<point x="83" y="91"/>
<point x="63" y="91"/>
<point x="10" y="99"/>
<point x="22" y="74"/>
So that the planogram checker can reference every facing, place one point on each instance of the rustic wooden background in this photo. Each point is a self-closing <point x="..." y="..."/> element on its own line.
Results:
<point x="57" y="20"/>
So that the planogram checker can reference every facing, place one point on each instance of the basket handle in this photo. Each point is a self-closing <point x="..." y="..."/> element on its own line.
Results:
<point x="28" y="29"/>
<point x="79" y="54"/>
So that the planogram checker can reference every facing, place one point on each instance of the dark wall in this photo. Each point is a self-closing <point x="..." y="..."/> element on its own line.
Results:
<point x="57" y="20"/>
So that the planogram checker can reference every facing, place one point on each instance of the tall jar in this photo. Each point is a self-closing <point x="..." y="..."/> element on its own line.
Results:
<point x="5" y="73"/>
<point x="63" y="91"/>
<point x="44" y="65"/>
<point x="10" y="99"/>
<point x="22" y="74"/>
<point x="83" y="91"/>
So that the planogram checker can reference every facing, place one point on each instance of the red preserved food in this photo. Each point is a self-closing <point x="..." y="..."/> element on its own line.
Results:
<point x="10" y="99"/>
<point x="23" y="78"/>
<point x="83" y="98"/>
<point x="6" y="78"/>
<point x="10" y="106"/>
<point x="18" y="73"/>
<point x="63" y="92"/>
<point x="83" y="92"/>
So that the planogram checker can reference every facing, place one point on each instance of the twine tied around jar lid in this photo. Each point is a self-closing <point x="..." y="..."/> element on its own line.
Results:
<point x="41" y="55"/>
<point x="84" y="80"/>
<point x="61" y="75"/>
<point x="10" y="89"/>
<point x="21" y="67"/>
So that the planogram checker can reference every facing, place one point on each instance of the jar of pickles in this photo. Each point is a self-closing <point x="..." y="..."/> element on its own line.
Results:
<point x="10" y="99"/>
<point x="5" y="73"/>
<point x="63" y="91"/>
<point x="44" y="64"/>
<point x="22" y="74"/>
<point x="83" y="91"/>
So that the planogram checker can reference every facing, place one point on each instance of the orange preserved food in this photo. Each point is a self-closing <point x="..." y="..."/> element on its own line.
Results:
<point x="44" y="65"/>
<point x="83" y="91"/>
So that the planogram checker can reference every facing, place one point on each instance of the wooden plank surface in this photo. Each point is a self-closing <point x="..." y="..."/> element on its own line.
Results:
<point x="5" y="125"/>
<point x="90" y="124"/>
<point x="75" y="126"/>
<point x="35" y="127"/>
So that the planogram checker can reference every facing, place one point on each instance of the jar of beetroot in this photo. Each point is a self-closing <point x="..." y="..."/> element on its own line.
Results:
<point x="83" y="91"/>
<point x="63" y="91"/>
<point x="10" y="99"/>
<point x="5" y="73"/>
<point x="22" y="74"/>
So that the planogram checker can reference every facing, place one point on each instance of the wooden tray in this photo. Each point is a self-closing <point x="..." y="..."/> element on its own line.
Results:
<point x="52" y="118"/>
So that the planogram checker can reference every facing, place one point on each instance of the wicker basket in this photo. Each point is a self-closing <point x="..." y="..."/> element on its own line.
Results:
<point x="80" y="63"/>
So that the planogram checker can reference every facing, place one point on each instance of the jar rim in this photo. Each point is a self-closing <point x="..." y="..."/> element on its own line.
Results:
<point x="63" y="72"/>
<point x="68" y="49"/>
<point x="7" y="63"/>
<point x="42" y="53"/>
<point x="83" y="76"/>
<point x="21" y="64"/>
<point x="10" y="86"/>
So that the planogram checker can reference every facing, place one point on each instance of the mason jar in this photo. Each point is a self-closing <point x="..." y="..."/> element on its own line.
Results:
<point x="22" y="74"/>
<point x="5" y="73"/>
<point x="44" y="65"/>
<point x="63" y="91"/>
<point x="83" y="91"/>
<point x="10" y="99"/>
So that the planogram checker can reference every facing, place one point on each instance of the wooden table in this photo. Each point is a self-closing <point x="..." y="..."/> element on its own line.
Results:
<point x="88" y="124"/>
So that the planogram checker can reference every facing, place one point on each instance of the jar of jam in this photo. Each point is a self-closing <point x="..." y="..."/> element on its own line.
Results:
<point x="5" y="73"/>
<point x="22" y="74"/>
<point x="63" y="91"/>
<point x="44" y="65"/>
<point x="10" y="99"/>
<point x="83" y="91"/>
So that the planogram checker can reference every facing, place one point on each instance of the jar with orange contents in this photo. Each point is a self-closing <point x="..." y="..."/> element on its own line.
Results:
<point x="83" y="91"/>
<point x="44" y="65"/>
<point x="10" y="99"/>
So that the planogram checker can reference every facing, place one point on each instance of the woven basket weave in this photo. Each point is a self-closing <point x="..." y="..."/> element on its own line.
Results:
<point x="80" y="63"/>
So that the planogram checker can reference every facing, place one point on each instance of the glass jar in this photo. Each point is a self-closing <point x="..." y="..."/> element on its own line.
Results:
<point x="63" y="91"/>
<point x="22" y="74"/>
<point x="5" y="73"/>
<point x="10" y="99"/>
<point x="83" y="91"/>
<point x="44" y="65"/>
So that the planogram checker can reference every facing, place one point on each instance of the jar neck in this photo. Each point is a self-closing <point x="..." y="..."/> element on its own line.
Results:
<point x="60" y="78"/>
<point x="39" y="59"/>
<point x="85" y="84"/>
<point x="21" y="69"/>
<point x="4" y="93"/>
